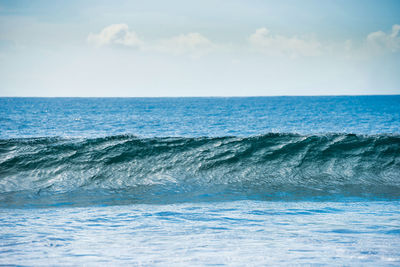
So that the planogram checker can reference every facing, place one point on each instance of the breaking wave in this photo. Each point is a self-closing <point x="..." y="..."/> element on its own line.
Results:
<point x="127" y="169"/>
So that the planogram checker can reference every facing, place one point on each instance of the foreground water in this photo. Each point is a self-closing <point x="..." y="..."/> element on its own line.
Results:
<point x="236" y="233"/>
<point x="200" y="181"/>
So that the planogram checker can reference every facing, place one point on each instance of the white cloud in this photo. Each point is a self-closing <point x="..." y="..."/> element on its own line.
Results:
<point x="115" y="34"/>
<point x="194" y="44"/>
<point x="276" y="45"/>
<point x="381" y="41"/>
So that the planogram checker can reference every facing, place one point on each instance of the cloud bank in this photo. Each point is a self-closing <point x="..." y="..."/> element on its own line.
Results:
<point x="261" y="41"/>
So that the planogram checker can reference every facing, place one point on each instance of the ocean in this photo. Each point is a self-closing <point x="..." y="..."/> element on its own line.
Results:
<point x="237" y="181"/>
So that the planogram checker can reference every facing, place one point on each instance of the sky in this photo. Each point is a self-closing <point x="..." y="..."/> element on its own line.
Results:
<point x="162" y="48"/>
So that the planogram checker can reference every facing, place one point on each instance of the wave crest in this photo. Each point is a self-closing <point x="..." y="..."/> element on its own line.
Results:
<point x="126" y="169"/>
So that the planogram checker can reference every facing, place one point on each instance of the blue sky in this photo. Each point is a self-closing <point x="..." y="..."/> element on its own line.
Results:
<point x="199" y="48"/>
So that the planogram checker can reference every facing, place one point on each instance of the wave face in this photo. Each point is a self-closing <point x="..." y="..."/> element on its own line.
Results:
<point x="127" y="169"/>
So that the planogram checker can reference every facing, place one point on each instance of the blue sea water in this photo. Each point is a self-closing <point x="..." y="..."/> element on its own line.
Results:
<point x="200" y="181"/>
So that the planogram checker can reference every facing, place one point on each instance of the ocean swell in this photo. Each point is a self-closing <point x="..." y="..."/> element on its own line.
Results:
<point x="128" y="169"/>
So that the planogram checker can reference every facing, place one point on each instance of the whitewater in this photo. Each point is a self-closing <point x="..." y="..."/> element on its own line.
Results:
<point x="200" y="181"/>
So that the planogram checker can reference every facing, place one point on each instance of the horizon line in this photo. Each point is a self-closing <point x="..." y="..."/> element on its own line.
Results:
<point x="211" y="96"/>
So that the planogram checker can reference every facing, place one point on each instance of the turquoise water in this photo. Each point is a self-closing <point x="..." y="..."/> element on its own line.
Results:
<point x="200" y="181"/>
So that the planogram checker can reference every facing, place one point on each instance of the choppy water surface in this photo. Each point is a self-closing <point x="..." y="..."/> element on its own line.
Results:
<point x="192" y="117"/>
<point x="200" y="181"/>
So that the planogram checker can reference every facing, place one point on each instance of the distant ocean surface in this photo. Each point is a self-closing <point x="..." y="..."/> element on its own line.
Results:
<point x="200" y="181"/>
